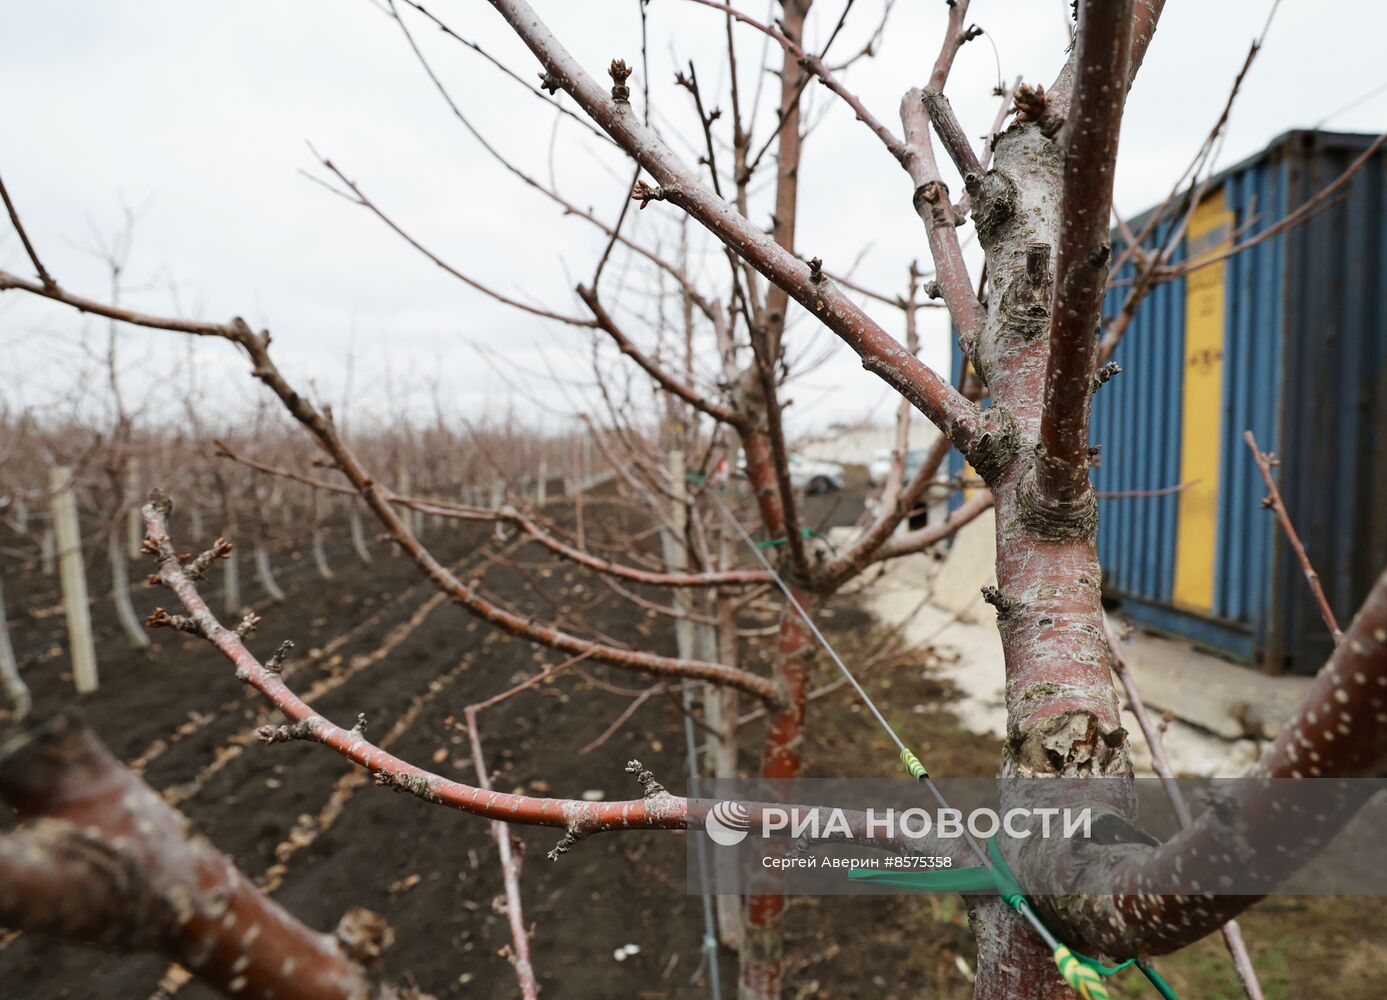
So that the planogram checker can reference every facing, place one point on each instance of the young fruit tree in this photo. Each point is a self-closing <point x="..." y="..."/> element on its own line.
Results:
<point x="720" y="354"/>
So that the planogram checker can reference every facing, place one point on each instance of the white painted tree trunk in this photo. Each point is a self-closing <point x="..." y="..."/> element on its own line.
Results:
<point x="68" y="539"/>
<point x="358" y="534"/>
<point x="414" y="521"/>
<point x="231" y="584"/>
<point x="319" y="552"/>
<point x="120" y="593"/>
<point x="16" y="692"/>
<point x="134" y="526"/>
<point x="265" y="574"/>
<point x="688" y="642"/>
<point x="231" y="573"/>
<point x="721" y="709"/>
<point x="21" y="516"/>
<point x="48" y="550"/>
<point x="402" y="477"/>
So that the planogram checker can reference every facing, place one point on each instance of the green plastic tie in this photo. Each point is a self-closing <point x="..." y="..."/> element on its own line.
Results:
<point x="805" y="533"/>
<point x="998" y="878"/>
<point x="913" y="765"/>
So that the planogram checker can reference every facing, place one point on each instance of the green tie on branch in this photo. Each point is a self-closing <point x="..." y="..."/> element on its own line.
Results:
<point x="805" y="533"/>
<point x="1083" y="974"/>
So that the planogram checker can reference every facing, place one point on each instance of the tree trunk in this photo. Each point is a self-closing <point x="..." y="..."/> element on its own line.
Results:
<point x="723" y="712"/>
<point x="120" y="592"/>
<point x="231" y="571"/>
<point x="762" y="955"/>
<point x="1013" y="963"/>
<point x="48" y="548"/>
<point x="319" y="553"/>
<point x="358" y="534"/>
<point x="16" y="692"/>
<point x="1062" y="709"/>
<point x="231" y="584"/>
<point x="265" y="574"/>
<point x="134" y="529"/>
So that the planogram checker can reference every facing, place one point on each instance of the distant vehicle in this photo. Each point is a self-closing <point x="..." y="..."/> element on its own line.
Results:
<point x="880" y="466"/>
<point x="815" y="477"/>
<point x="807" y="475"/>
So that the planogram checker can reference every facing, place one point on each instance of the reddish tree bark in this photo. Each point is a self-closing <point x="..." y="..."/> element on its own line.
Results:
<point x="100" y="858"/>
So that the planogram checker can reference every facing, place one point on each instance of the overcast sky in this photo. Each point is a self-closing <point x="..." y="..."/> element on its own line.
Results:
<point x="196" y="115"/>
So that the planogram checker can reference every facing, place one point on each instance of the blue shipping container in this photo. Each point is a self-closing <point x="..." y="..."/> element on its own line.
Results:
<point x="1286" y="338"/>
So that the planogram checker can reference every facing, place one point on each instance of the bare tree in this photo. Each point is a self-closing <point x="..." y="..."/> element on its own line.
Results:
<point x="1040" y="199"/>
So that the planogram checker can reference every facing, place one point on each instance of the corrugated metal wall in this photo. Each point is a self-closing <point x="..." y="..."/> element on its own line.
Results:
<point x="1302" y="345"/>
<point x="1335" y="433"/>
<point x="1136" y="419"/>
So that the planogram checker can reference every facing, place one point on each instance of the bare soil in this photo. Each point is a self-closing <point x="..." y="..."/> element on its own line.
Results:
<point x="377" y="640"/>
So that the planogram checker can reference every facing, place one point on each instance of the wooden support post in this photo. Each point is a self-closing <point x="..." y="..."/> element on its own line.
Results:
<point x="68" y="538"/>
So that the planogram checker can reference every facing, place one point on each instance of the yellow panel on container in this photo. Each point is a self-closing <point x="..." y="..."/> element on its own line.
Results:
<point x="1210" y="230"/>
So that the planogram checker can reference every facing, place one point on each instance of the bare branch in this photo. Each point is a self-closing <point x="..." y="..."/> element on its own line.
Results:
<point x="359" y="198"/>
<point x="951" y="136"/>
<point x="941" y="227"/>
<point x="44" y="277"/>
<point x="880" y="352"/>
<point x="1274" y="502"/>
<point x="101" y="858"/>
<point x="924" y="538"/>
<point x="510" y="515"/>
<point x="955" y="37"/>
<point x="689" y="394"/>
<point x="1089" y="140"/>
<point x="668" y="814"/>
<point x="1337" y="733"/>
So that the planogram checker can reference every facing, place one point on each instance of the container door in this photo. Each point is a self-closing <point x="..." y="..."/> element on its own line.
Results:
<point x="1210" y="231"/>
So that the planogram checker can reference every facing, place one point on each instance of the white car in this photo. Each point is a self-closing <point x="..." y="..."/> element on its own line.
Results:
<point x="880" y="466"/>
<point x="807" y="475"/>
